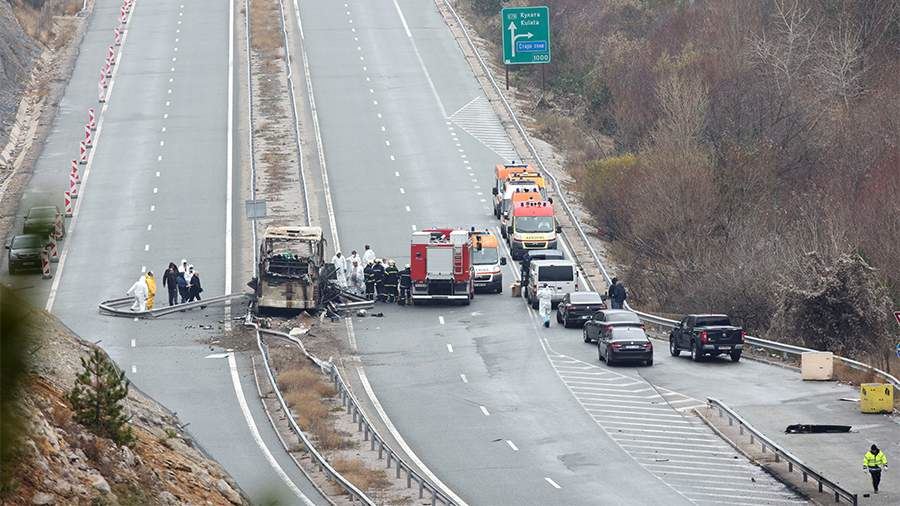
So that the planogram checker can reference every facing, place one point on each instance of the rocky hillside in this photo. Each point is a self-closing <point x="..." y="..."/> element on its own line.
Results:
<point x="17" y="53"/>
<point x="50" y="459"/>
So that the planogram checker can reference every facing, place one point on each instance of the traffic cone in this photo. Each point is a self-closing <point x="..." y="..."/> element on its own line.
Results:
<point x="45" y="264"/>
<point x="51" y="249"/>
<point x="88" y="142"/>
<point x="68" y="202"/>
<point x="75" y="171"/>
<point x="82" y="150"/>
<point x="92" y="119"/>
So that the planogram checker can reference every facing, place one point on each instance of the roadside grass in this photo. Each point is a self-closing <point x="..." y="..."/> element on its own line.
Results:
<point x="364" y="478"/>
<point x="265" y="26"/>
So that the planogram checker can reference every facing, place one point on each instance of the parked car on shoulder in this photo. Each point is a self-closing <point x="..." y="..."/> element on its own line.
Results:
<point x="24" y="253"/>
<point x="602" y="321"/>
<point x="707" y="334"/>
<point x="41" y="220"/>
<point x="625" y="344"/>
<point x="577" y="307"/>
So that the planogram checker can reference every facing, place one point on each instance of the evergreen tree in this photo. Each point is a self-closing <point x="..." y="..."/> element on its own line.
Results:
<point x="96" y="397"/>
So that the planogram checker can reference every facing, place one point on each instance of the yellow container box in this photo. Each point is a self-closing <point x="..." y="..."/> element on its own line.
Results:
<point x="876" y="398"/>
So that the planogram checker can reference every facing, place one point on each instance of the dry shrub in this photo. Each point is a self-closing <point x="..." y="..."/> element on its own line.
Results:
<point x="304" y="379"/>
<point x="309" y="410"/>
<point x="368" y="480"/>
<point x="265" y="27"/>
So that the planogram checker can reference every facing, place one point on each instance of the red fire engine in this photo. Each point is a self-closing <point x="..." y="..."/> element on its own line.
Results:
<point x="441" y="265"/>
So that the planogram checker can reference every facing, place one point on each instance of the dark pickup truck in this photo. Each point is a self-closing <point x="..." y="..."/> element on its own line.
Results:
<point x="706" y="334"/>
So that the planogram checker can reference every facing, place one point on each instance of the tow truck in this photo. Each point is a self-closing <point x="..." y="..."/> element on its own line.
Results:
<point x="441" y="266"/>
<point x="532" y="226"/>
<point x="486" y="261"/>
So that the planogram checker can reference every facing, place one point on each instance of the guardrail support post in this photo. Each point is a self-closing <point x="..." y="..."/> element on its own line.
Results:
<point x="421" y="489"/>
<point x="805" y="477"/>
<point x="389" y="460"/>
<point x="371" y="442"/>
<point x="433" y="498"/>
<point x="820" y="486"/>
<point x="381" y="451"/>
<point x="741" y="429"/>
<point x="790" y="467"/>
<point x="730" y="422"/>
<point x="398" y="470"/>
<point x="365" y="432"/>
<point x="408" y="478"/>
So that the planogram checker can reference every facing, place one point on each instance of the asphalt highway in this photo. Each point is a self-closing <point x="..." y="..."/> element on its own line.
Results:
<point x="500" y="410"/>
<point x="154" y="192"/>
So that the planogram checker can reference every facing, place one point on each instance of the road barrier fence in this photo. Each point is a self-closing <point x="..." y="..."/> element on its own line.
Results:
<point x="768" y="445"/>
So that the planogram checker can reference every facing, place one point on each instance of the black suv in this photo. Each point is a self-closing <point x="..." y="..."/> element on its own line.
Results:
<point x="577" y="307"/>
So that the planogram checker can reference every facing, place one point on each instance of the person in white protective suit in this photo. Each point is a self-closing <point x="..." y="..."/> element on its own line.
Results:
<point x="357" y="278"/>
<point x="139" y="291"/>
<point x="368" y="255"/>
<point x="354" y="257"/>
<point x="340" y="269"/>
<point x="545" y="303"/>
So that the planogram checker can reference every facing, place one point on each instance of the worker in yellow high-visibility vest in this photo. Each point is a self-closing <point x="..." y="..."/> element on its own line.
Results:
<point x="874" y="461"/>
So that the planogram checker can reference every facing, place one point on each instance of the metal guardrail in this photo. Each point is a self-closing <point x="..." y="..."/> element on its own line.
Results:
<point x="370" y="434"/>
<point x="321" y="462"/>
<point x="781" y="454"/>
<point x="115" y="307"/>
<point x="785" y="349"/>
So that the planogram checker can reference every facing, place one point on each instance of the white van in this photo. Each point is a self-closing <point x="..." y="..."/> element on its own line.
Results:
<point x="560" y="275"/>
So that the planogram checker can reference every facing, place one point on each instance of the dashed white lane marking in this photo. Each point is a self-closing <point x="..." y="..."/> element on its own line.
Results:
<point x="162" y="143"/>
<point x="152" y="208"/>
<point x="163" y="130"/>
<point x="155" y="190"/>
<point x="149" y="227"/>
<point x="449" y="348"/>
<point x="134" y="369"/>
<point x="168" y="103"/>
<point x="157" y="173"/>
<point x="463" y="378"/>
<point x="387" y="143"/>
<point x="512" y="445"/>
<point x="146" y="247"/>
<point x="484" y="411"/>
<point x="159" y="158"/>
<point x="166" y="116"/>
<point x="407" y="209"/>
<point x="383" y="129"/>
<point x="133" y="343"/>
<point x="402" y="190"/>
<point x="392" y="158"/>
<point x="551" y="482"/>
<point x="441" y="319"/>
<point x="413" y="227"/>
<point x="396" y="173"/>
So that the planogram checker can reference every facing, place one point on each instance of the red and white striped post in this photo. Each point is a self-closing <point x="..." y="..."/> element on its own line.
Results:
<point x="92" y="119"/>
<point x="101" y="92"/>
<point x="45" y="264"/>
<point x="75" y="171"/>
<point x="111" y="55"/>
<point x="73" y="187"/>
<point x="68" y="202"/>
<point x="117" y="34"/>
<point x="82" y="156"/>
<point x="106" y="70"/>
<point x="51" y="249"/>
<point x="88" y="138"/>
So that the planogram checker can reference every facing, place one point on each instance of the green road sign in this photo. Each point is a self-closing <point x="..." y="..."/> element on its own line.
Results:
<point x="526" y="35"/>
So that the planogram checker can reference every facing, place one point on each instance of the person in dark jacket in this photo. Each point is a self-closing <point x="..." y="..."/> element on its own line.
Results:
<point x="170" y="281"/>
<point x="378" y="271"/>
<point x="619" y="295"/>
<point x="405" y="285"/>
<point x="369" y="276"/>
<point x="391" y="278"/>
<point x="194" y="286"/>
<point x="526" y="273"/>
<point x="611" y="289"/>
<point x="182" y="284"/>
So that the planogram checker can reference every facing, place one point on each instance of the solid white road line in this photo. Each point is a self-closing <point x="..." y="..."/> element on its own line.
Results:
<point x="402" y="442"/>
<point x="254" y="431"/>
<point x="552" y="483"/>
<point x="412" y="41"/>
